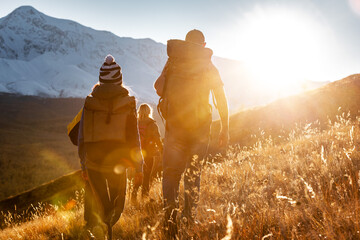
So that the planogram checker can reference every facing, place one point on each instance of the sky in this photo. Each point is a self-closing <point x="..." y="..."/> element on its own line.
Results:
<point x="313" y="39"/>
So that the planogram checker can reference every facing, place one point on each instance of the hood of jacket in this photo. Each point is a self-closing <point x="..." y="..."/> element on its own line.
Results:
<point x="109" y="97"/>
<point x="108" y="90"/>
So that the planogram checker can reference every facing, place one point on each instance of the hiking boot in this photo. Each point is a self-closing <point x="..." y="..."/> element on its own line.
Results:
<point x="99" y="232"/>
<point x="87" y="235"/>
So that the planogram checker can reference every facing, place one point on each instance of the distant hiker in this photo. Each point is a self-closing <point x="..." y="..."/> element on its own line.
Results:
<point x="151" y="147"/>
<point x="108" y="145"/>
<point x="184" y="87"/>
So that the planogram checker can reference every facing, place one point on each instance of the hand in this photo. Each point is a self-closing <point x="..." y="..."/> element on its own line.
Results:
<point x="138" y="178"/>
<point x="84" y="175"/>
<point x="224" y="138"/>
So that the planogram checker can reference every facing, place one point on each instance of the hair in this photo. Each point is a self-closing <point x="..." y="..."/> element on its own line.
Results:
<point x="195" y="36"/>
<point x="144" y="111"/>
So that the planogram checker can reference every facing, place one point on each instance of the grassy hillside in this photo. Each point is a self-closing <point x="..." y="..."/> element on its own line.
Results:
<point x="34" y="147"/>
<point x="307" y="187"/>
<point x="283" y="115"/>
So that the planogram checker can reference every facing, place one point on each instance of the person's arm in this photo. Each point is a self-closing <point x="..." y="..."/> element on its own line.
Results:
<point x="81" y="149"/>
<point x="139" y="161"/>
<point x="134" y="140"/>
<point x="157" y="138"/>
<point x="222" y="105"/>
<point x="134" y="143"/>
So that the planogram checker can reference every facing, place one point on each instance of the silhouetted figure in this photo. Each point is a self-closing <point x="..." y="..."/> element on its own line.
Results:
<point x="151" y="147"/>
<point x="108" y="139"/>
<point x="184" y="87"/>
<point x="89" y="212"/>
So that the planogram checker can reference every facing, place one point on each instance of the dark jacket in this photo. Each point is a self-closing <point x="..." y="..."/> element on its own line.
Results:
<point x="102" y="151"/>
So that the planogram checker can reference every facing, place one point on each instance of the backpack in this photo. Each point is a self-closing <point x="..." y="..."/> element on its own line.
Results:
<point x="144" y="133"/>
<point x="185" y="100"/>
<point x="148" y="136"/>
<point x="105" y="119"/>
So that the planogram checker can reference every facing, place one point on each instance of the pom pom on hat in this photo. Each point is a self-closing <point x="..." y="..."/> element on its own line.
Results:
<point x="109" y="59"/>
<point x="110" y="71"/>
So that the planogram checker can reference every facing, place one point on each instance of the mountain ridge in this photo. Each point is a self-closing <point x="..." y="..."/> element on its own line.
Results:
<point x="276" y="118"/>
<point x="51" y="57"/>
<point x="43" y="53"/>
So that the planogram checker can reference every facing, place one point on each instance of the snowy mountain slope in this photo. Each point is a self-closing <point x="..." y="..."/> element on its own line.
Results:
<point x="41" y="55"/>
<point x="46" y="56"/>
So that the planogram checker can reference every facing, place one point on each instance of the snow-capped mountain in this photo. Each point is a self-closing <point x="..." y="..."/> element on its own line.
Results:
<point x="45" y="56"/>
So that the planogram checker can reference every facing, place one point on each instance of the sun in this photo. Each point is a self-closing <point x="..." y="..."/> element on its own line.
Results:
<point x="281" y="47"/>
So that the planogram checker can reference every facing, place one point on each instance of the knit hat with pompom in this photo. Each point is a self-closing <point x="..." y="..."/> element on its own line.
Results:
<point x="110" y="71"/>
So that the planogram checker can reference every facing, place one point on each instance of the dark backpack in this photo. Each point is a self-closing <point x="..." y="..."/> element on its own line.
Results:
<point x="148" y="136"/>
<point x="185" y="101"/>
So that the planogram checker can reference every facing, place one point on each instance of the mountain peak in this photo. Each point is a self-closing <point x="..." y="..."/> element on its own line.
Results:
<point x="25" y="11"/>
<point x="21" y="15"/>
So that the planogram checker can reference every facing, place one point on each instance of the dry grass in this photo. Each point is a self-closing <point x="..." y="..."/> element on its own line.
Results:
<point x="305" y="188"/>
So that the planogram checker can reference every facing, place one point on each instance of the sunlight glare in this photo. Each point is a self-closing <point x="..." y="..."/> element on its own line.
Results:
<point x="281" y="47"/>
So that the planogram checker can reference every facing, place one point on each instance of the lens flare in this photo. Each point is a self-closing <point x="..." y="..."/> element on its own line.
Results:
<point x="119" y="169"/>
<point x="70" y="204"/>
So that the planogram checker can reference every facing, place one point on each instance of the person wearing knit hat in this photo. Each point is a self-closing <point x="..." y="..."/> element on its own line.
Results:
<point x="110" y="71"/>
<point x="108" y="144"/>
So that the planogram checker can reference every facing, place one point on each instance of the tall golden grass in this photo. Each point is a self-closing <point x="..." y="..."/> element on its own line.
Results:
<point x="305" y="188"/>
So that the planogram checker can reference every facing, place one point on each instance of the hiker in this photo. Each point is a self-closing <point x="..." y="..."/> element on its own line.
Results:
<point x="184" y="88"/>
<point x="73" y="133"/>
<point x="109" y="144"/>
<point x="151" y="147"/>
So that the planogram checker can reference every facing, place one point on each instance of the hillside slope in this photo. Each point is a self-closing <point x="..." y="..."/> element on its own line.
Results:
<point x="34" y="147"/>
<point x="280" y="116"/>
<point x="304" y="188"/>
